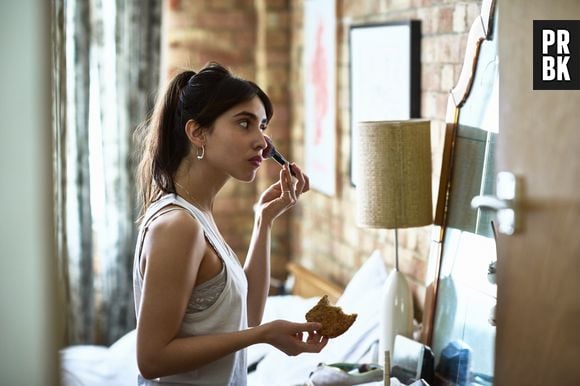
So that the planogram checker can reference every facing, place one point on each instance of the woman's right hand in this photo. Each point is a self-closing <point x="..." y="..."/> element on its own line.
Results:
<point x="283" y="194"/>
<point x="289" y="337"/>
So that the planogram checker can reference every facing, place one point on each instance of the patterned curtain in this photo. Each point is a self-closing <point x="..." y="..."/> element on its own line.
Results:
<point x="110" y="71"/>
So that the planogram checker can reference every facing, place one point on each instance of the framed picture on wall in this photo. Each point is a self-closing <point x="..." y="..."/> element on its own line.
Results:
<point x="320" y="94"/>
<point x="385" y="75"/>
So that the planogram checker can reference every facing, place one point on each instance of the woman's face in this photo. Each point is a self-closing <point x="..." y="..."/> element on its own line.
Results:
<point x="235" y="144"/>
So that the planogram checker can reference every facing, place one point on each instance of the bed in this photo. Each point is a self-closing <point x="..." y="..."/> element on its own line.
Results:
<point x="86" y="365"/>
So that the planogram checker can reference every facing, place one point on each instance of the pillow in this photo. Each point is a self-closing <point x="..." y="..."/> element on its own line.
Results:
<point x="371" y="274"/>
<point x="360" y="296"/>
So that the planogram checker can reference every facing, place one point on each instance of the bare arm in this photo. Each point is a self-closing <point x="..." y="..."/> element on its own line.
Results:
<point x="174" y="250"/>
<point x="274" y="201"/>
<point x="186" y="354"/>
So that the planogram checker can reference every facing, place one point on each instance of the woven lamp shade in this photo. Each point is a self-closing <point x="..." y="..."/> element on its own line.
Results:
<point x="394" y="185"/>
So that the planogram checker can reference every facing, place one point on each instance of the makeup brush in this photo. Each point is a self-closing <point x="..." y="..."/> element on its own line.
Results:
<point x="271" y="152"/>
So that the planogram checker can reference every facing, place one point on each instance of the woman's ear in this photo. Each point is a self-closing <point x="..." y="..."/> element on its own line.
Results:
<point x="195" y="133"/>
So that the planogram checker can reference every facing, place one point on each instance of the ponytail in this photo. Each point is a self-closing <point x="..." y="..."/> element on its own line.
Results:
<point x="163" y="144"/>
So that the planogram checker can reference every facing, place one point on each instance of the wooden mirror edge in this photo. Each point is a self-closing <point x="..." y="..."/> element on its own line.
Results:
<point x="481" y="29"/>
<point x="445" y="176"/>
<point x="431" y="290"/>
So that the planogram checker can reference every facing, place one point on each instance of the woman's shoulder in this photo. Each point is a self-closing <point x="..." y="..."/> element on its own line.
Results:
<point x="175" y="225"/>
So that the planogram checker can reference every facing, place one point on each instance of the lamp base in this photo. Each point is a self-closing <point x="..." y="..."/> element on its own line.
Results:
<point x="396" y="312"/>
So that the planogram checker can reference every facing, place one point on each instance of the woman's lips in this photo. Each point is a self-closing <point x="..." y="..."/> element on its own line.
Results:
<point x="256" y="161"/>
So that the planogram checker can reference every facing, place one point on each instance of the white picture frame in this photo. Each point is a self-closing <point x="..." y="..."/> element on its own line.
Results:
<point x="384" y="75"/>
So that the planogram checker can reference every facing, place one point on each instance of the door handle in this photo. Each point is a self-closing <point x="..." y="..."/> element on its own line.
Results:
<point x="489" y="202"/>
<point x="504" y="202"/>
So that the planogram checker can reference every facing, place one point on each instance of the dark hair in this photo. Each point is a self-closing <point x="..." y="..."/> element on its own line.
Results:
<point x="201" y="97"/>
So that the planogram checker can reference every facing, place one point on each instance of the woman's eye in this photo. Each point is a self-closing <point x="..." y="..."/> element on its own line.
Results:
<point x="244" y="124"/>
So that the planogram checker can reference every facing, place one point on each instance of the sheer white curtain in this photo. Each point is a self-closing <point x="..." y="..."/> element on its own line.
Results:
<point x="108" y="75"/>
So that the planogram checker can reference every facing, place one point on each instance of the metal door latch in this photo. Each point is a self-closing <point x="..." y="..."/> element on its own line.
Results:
<point x="504" y="202"/>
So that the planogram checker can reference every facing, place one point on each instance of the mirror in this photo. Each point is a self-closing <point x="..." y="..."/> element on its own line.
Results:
<point x="462" y="324"/>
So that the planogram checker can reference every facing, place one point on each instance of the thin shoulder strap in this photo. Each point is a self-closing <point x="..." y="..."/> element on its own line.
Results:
<point x="148" y="222"/>
<point x="211" y="234"/>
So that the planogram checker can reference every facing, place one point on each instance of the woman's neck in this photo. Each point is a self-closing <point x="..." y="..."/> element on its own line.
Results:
<point x="197" y="186"/>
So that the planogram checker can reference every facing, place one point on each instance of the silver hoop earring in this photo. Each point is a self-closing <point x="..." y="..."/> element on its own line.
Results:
<point x="200" y="156"/>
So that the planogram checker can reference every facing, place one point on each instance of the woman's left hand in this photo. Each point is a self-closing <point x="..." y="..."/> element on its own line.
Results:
<point x="293" y="338"/>
<point x="282" y="195"/>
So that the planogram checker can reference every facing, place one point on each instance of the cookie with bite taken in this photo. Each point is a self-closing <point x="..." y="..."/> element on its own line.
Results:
<point x="334" y="321"/>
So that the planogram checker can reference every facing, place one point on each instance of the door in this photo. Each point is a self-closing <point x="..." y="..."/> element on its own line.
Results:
<point x="538" y="309"/>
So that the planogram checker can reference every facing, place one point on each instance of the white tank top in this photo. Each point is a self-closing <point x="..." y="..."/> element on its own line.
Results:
<point x="227" y="314"/>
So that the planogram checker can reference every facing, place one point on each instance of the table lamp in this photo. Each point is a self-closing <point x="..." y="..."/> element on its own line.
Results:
<point x="392" y="192"/>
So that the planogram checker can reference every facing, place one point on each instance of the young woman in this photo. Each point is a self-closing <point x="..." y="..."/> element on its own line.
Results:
<point x="197" y="307"/>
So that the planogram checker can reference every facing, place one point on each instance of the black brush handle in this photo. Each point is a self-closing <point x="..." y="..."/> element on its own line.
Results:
<point x="282" y="161"/>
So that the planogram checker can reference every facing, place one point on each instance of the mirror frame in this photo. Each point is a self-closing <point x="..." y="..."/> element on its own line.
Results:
<point x="481" y="29"/>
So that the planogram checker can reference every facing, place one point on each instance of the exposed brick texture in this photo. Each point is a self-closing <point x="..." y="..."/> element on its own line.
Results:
<point x="263" y="40"/>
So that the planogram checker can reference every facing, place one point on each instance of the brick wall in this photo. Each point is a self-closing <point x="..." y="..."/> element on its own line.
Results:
<point x="262" y="40"/>
<point x="325" y="236"/>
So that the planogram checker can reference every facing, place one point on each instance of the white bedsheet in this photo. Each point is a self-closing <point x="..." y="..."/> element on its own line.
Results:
<point x="86" y="365"/>
<point x="116" y="365"/>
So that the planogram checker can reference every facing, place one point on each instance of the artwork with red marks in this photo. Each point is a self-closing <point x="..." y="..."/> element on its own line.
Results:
<point x="319" y="83"/>
<point x="320" y="94"/>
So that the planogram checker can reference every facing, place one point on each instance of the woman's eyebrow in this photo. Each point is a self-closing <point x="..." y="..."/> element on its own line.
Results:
<point x="246" y="114"/>
<point x="249" y="115"/>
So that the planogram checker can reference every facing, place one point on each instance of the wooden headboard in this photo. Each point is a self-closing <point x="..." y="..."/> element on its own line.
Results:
<point x="309" y="284"/>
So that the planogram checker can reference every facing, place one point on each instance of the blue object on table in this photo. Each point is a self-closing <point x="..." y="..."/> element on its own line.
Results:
<point x="455" y="363"/>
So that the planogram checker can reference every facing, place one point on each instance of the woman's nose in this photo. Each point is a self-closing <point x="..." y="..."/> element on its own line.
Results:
<point x="262" y="143"/>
